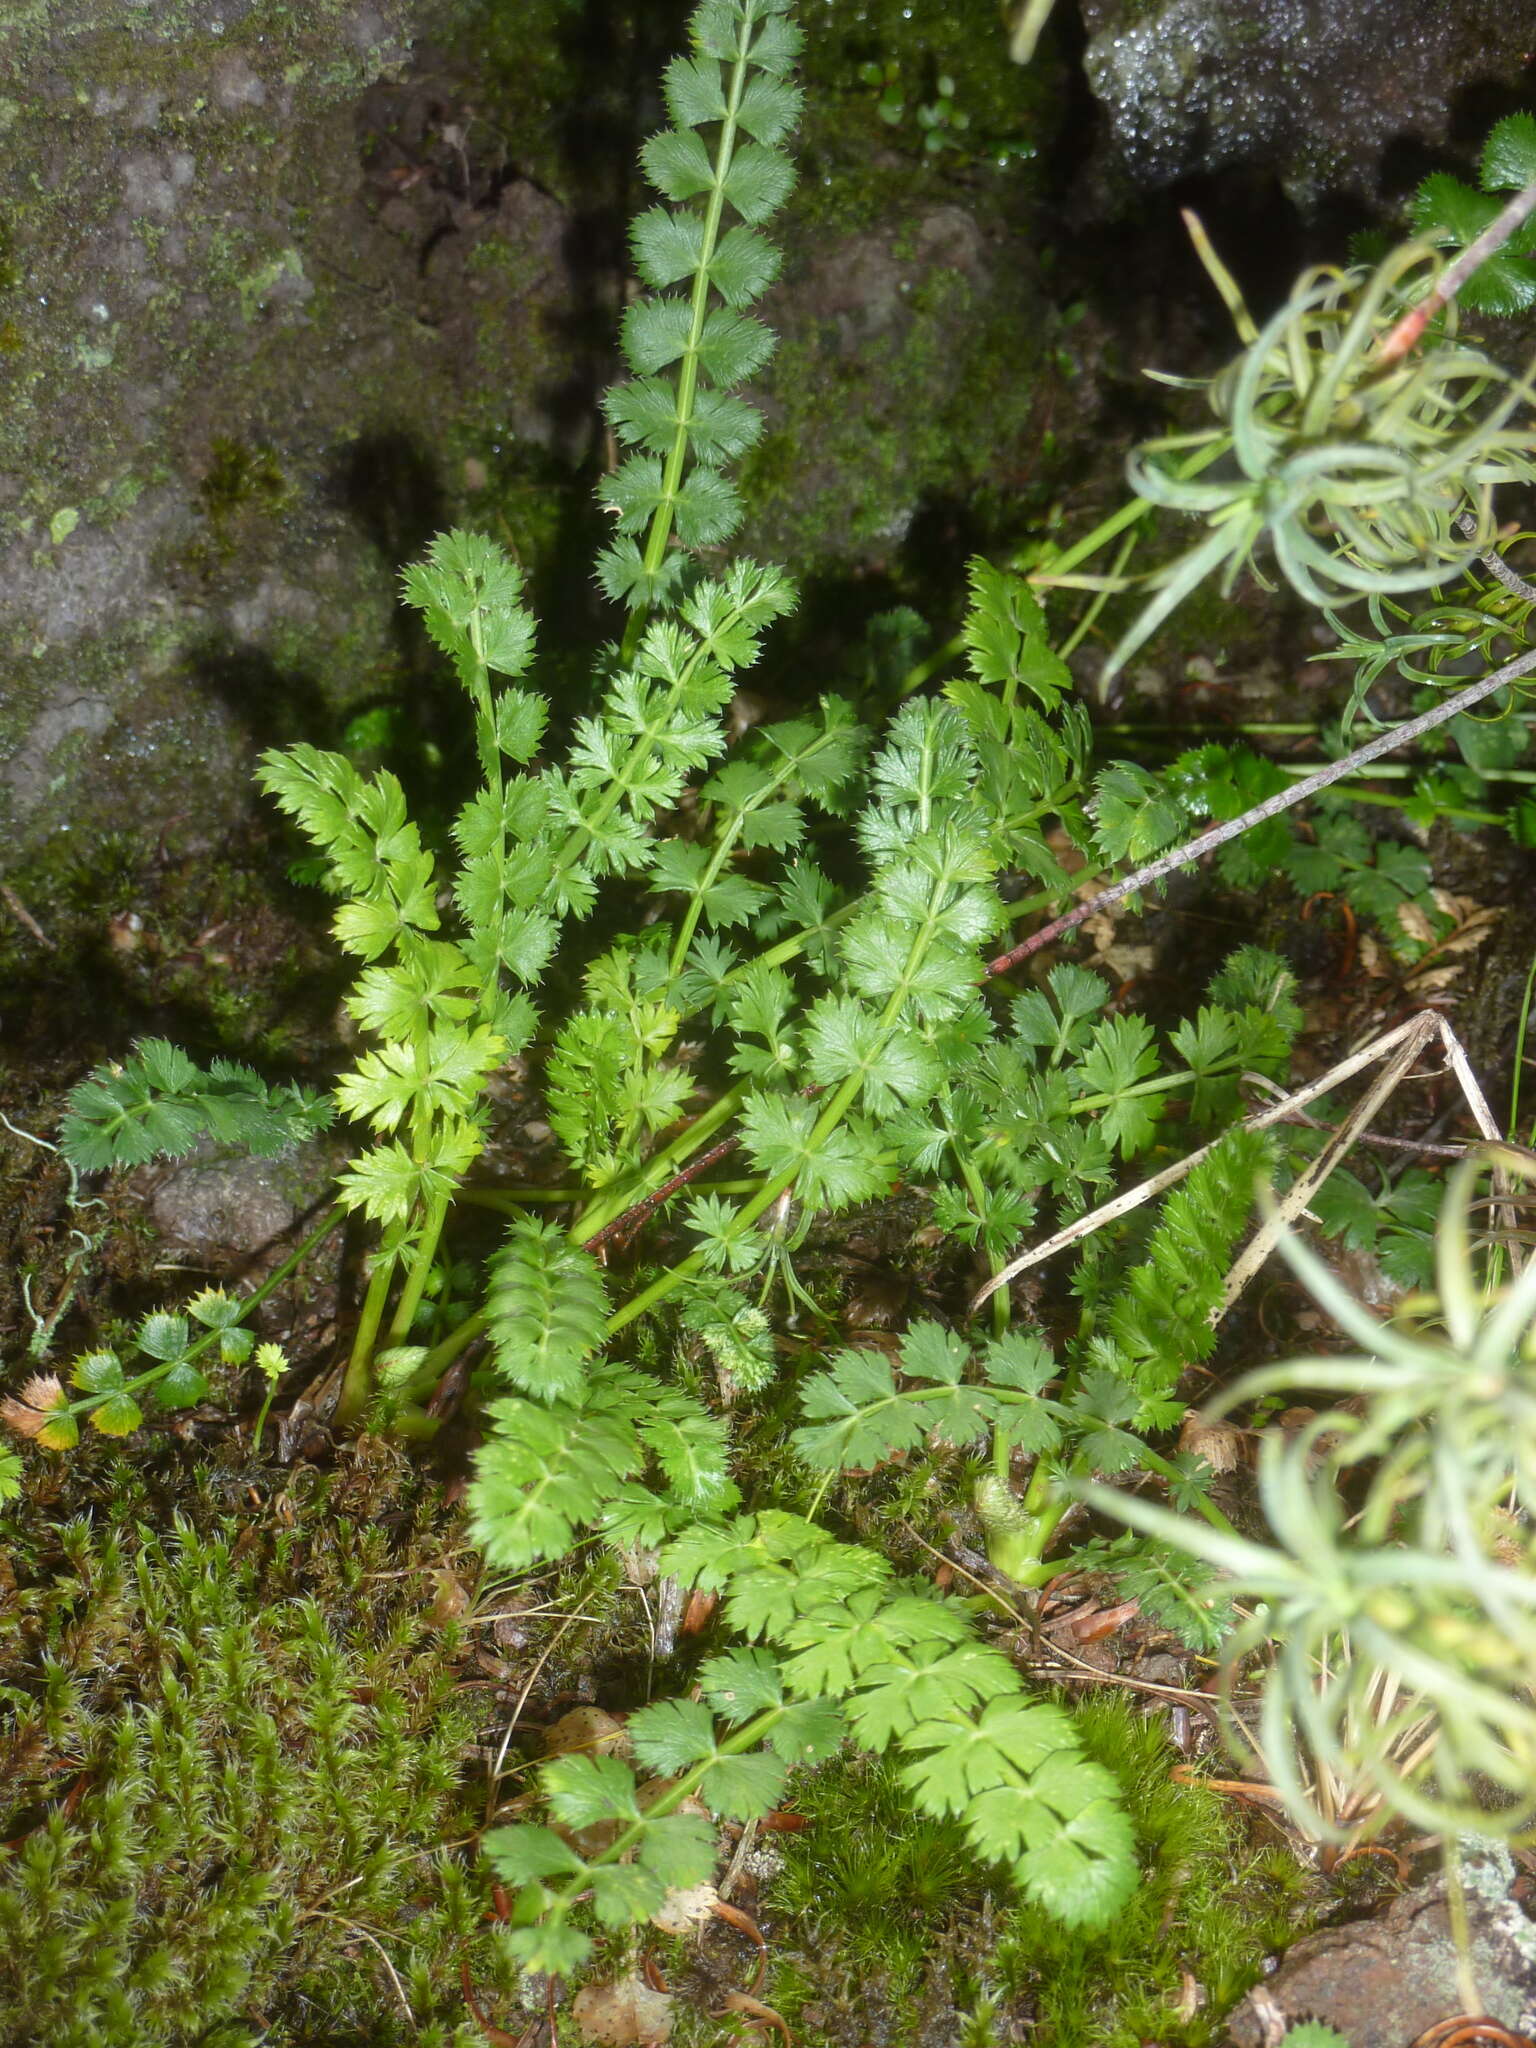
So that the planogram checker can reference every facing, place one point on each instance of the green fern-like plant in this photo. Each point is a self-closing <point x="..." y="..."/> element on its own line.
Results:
<point x="731" y="104"/>
<point x="851" y="1651"/>
<point x="793" y="967"/>
<point x="158" y="1105"/>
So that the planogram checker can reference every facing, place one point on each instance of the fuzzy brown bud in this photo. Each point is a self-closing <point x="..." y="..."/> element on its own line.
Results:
<point x="27" y="1411"/>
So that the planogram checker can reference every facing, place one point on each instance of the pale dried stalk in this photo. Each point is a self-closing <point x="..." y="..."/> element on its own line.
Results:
<point x="1403" y="1043"/>
<point x="1322" y="778"/>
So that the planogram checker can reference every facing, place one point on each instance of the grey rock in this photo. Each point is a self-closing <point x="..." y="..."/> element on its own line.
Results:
<point x="1381" y="1983"/>
<point x="1313" y="89"/>
<point x="195" y="275"/>
<point x="219" y="1206"/>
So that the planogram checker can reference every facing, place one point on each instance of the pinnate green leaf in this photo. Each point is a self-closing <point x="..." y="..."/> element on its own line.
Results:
<point x="678" y="165"/>
<point x="769" y="107"/>
<point x="694" y="92"/>
<point x="741" y="1683"/>
<point x="117" y="1415"/>
<point x="583" y="1790"/>
<point x="524" y="1854"/>
<point x="97" y="1372"/>
<point x="744" y="1787"/>
<point x="183" y="1386"/>
<point x="163" y="1336"/>
<point x="1134" y="816"/>
<point x="546" y="1308"/>
<point x="758" y="181"/>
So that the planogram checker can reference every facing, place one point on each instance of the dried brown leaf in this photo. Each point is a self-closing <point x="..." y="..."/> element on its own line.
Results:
<point x="754" y="2009"/>
<point x="624" y="2014"/>
<point x="29" y="1411"/>
<point x="586" y="1729"/>
<point x="1222" y="1445"/>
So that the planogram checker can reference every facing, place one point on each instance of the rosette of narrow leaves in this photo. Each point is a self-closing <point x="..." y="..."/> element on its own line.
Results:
<point x="1357" y="475"/>
<point x="1403" y="1620"/>
<point x="690" y="342"/>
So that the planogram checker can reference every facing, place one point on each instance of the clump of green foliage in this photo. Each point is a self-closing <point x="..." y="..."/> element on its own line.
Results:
<point x="848" y="1039"/>
<point x="1399" y="1583"/>
<point x="775" y="944"/>
<point x="228" y="1774"/>
<point x="1452" y="214"/>
<point x="878" y="1896"/>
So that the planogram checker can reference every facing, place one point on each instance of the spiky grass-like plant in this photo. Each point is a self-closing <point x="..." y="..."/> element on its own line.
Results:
<point x="1364" y="476"/>
<point x="1402" y="1618"/>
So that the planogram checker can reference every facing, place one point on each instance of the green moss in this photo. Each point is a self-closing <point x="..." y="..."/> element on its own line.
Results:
<point x="926" y="403"/>
<point x="872" y="59"/>
<point x="242" y="484"/>
<point x="1208" y="1905"/>
<point x="240" y="477"/>
<point x="887" y="1918"/>
<point x="234" y="1756"/>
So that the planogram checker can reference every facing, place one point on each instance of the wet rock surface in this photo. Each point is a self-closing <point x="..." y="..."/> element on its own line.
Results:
<point x="209" y="1204"/>
<point x="1317" y="90"/>
<point x="908" y="365"/>
<point x="232" y="391"/>
<point x="279" y="301"/>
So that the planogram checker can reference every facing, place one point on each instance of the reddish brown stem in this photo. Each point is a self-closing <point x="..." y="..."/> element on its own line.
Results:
<point x="1494" y="236"/>
<point x="636" y="1214"/>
